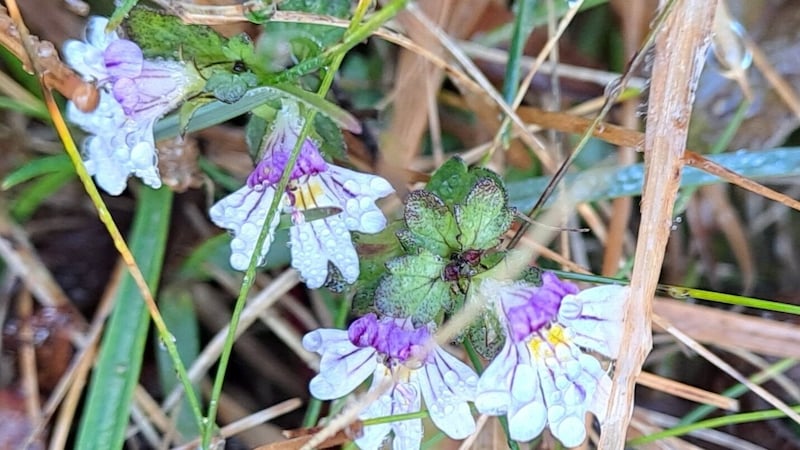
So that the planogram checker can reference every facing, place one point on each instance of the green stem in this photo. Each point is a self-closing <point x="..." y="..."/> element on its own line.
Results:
<point x="711" y="423"/>
<point x="523" y="26"/>
<point x="739" y="389"/>
<point x="680" y="292"/>
<point x="337" y="53"/>
<point x="350" y="40"/>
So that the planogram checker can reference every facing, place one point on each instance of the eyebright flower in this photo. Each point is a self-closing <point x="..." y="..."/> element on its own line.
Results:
<point x="313" y="183"/>
<point x="391" y="349"/>
<point x="541" y="376"/>
<point x="134" y="93"/>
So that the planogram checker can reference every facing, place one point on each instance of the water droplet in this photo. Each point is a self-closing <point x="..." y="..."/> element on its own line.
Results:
<point x="451" y="377"/>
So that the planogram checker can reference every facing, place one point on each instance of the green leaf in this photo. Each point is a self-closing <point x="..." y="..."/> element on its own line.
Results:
<point x="165" y="36"/>
<point x="230" y="87"/>
<point x="335" y="8"/>
<point x="36" y="110"/>
<point x="340" y="116"/>
<point x="28" y="200"/>
<point x="124" y="7"/>
<point x="330" y="136"/>
<point x="451" y="182"/>
<point x="486" y="334"/>
<point x="604" y="183"/>
<point x="188" y="109"/>
<point x="177" y="309"/>
<point x="213" y="252"/>
<point x="484" y="216"/>
<point x="431" y="223"/>
<point x="254" y="132"/>
<point x="239" y="48"/>
<point x="116" y="374"/>
<point x="217" y="112"/>
<point x="413" y="288"/>
<point x="323" y="35"/>
<point x="36" y="168"/>
<point x="374" y="250"/>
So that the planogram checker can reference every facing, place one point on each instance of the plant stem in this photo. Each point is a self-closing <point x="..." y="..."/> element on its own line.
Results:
<point x="353" y="35"/>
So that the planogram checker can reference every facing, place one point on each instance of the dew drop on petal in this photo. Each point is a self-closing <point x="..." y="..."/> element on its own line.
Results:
<point x="451" y="378"/>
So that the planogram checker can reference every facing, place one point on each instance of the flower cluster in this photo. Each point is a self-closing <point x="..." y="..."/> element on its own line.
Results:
<point x="541" y="377"/>
<point x="410" y="362"/>
<point x="134" y="93"/>
<point x="313" y="183"/>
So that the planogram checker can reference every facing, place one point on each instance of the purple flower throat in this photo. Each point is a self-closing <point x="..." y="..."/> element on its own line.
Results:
<point x="276" y="156"/>
<point x="390" y="338"/>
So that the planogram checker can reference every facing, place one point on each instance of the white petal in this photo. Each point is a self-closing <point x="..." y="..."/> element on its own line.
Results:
<point x="85" y="59"/>
<point x="526" y="421"/>
<point x="325" y="339"/>
<point x="110" y="174"/>
<point x="508" y="380"/>
<point x="95" y="32"/>
<point x="571" y="431"/>
<point x="401" y="398"/>
<point x="357" y="193"/>
<point x="343" y="366"/>
<point x="243" y="213"/>
<point x="407" y="433"/>
<point x="447" y="384"/>
<point x="317" y="242"/>
<point x="594" y="316"/>
<point x="599" y="403"/>
<point x="341" y="376"/>
<point x="373" y="436"/>
<point x="105" y="120"/>
<point x="145" y="163"/>
<point x="569" y="380"/>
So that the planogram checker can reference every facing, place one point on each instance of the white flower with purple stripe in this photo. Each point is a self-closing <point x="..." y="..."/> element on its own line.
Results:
<point x="313" y="183"/>
<point x="409" y="360"/>
<point x="542" y="376"/>
<point x="134" y="93"/>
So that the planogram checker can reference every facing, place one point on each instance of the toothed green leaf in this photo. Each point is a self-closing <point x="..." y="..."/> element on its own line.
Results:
<point x="484" y="216"/>
<point x="413" y="288"/>
<point x="430" y="223"/>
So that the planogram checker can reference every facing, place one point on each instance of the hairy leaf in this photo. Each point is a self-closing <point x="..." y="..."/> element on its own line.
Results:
<point x="413" y="288"/>
<point x="430" y="222"/>
<point x="484" y="216"/>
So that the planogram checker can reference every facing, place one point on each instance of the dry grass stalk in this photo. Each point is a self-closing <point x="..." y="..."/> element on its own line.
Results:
<point x="729" y="329"/>
<point x="727" y="368"/>
<point x="683" y="390"/>
<point x="680" y="52"/>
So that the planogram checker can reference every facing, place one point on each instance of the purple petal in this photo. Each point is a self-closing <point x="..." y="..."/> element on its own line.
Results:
<point x="123" y="59"/>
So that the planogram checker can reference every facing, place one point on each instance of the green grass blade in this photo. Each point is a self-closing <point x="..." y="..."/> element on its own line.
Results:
<point x="37" y="111"/>
<point x="36" y="168"/>
<point x="737" y="390"/>
<point x="612" y="182"/>
<point x="217" y="112"/>
<point x="119" y="362"/>
<point x="717" y="422"/>
<point x="175" y="303"/>
<point x="523" y="26"/>
<point x="27" y="201"/>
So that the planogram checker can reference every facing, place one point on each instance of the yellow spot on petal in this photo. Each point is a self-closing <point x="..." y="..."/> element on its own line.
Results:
<point x="557" y="335"/>
<point x="307" y="193"/>
<point x="554" y="336"/>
